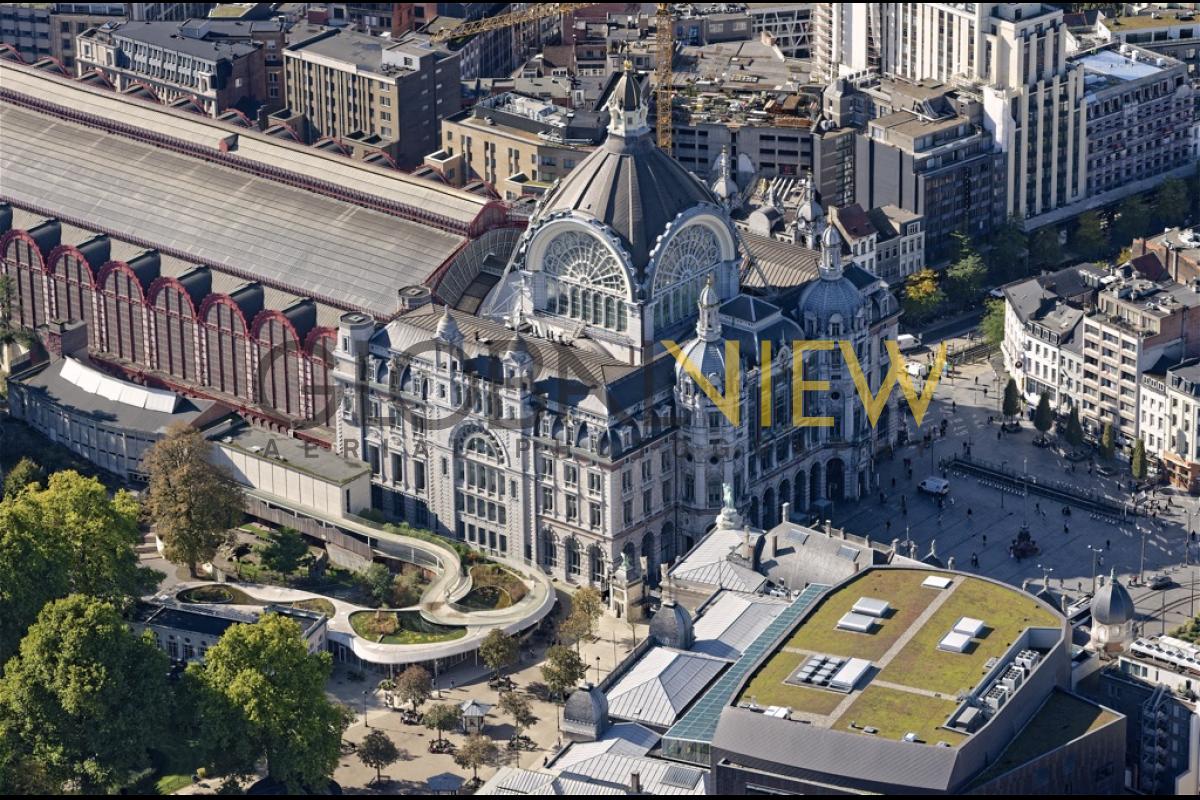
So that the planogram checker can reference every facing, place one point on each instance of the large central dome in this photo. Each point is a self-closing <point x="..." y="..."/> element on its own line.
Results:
<point x="628" y="183"/>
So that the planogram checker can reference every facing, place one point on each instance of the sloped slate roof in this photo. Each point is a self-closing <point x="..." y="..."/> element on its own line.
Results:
<point x="661" y="685"/>
<point x="632" y="187"/>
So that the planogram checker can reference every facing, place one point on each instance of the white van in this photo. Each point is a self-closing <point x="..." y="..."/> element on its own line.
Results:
<point x="907" y="342"/>
<point x="917" y="369"/>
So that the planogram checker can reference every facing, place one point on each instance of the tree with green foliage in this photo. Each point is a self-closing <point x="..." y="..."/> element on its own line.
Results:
<point x="69" y="537"/>
<point x="562" y="670"/>
<point x="965" y="279"/>
<point x="10" y="332"/>
<point x="191" y="501"/>
<point x="1008" y="252"/>
<point x="498" y="651"/>
<point x="1089" y="240"/>
<point x="922" y="295"/>
<point x="1170" y="204"/>
<point x="265" y="696"/>
<point x="25" y="472"/>
<point x="1045" y="249"/>
<point x="284" y="551"/>
<point x="992" y="324"/>
<point x="414" y="686"/>
<point x="519" y="708"/>
<point x="1012" y="401"/>
<point x="1108" y="444"/>
<point x="1133" y="220"/>
<point x="441" y="717"/>
<point x="477" y="751"/>
<point x="1043" y="417"/>
<point x="1137" y="465"/>
<point x="377" y="751"/>
<point x="1074" y="432"/>
<point x="377" y="579"/>
<point x="84" y="697"/>
<point x="586" y="608"/>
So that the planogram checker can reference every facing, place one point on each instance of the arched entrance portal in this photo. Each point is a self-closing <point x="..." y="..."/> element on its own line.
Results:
<point x="835" y="480"/>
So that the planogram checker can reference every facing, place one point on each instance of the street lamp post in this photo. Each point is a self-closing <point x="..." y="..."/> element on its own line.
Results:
<point x="1142" y="564"/>
<point x="1095" y="555"/>
<point x="365" y="723"/>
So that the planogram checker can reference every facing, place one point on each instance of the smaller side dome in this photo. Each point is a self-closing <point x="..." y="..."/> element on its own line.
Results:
<point x="1112" y="604"/>
<point x="672" y="626"/>
<point x="831" y="237"/>
<point x="585" y="714"/>
<point x="447" y="329"/>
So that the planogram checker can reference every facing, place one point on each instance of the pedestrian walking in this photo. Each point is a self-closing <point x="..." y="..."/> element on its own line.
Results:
<point x="1108" y="544"/>
<point x="1066" y="528"/>
<point x="985" y="540"/>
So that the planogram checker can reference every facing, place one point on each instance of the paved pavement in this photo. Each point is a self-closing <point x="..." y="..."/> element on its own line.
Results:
<point x="997" y="515"/>
<point x="615" y="639"/>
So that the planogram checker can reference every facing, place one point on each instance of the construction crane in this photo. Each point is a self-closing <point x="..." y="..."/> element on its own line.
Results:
<point x="664" y="41"/>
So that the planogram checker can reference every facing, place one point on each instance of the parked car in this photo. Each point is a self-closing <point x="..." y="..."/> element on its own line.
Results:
<point x="939" y="487"/>
<point x="1159" y="581"/>
<point x="1106" y="471"/>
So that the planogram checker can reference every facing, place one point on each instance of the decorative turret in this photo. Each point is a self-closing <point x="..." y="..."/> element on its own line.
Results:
<point x="708" y="326"/>
<point x="447" y="329"/>
<point x="723" y="185"/>
<point x="1112" y="617"/>
<point x="831" y="254"/>
<point x="626" y="107"/>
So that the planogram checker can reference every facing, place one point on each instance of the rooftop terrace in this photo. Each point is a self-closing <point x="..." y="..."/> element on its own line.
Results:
<point x="914" y="684"/>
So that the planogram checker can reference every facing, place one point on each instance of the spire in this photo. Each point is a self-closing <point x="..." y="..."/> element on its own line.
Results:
<point x="708" y="326"/>
<point x="626" y="106"/>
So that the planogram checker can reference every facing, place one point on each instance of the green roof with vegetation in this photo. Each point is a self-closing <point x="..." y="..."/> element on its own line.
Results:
<point x="912" y="686"/>
<point x="895" y="713"/>
<point x="1004" y="610"/>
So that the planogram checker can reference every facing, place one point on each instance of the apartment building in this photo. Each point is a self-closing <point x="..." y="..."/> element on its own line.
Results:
<point x="858" y="234"/>
<point x="900" y="242"/>
<point x="1176" y="251"/>
<point x="944" y="168"/>
<point x="1013" y="54"/>
<point x="1141" y="117"/>
<point x="369" y="92"/>
<point x="1170" y="420"/>
<point x="520" y="145"/>
<point x="71" y="19"/>
<point x="177" y="60"/>
<point x="1136" y="323"/>
<point x="1043" y="345"/>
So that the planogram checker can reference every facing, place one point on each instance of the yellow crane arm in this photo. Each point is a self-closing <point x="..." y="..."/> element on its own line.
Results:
<point x="664" y="38"/>
<point x="533" y="12"/>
